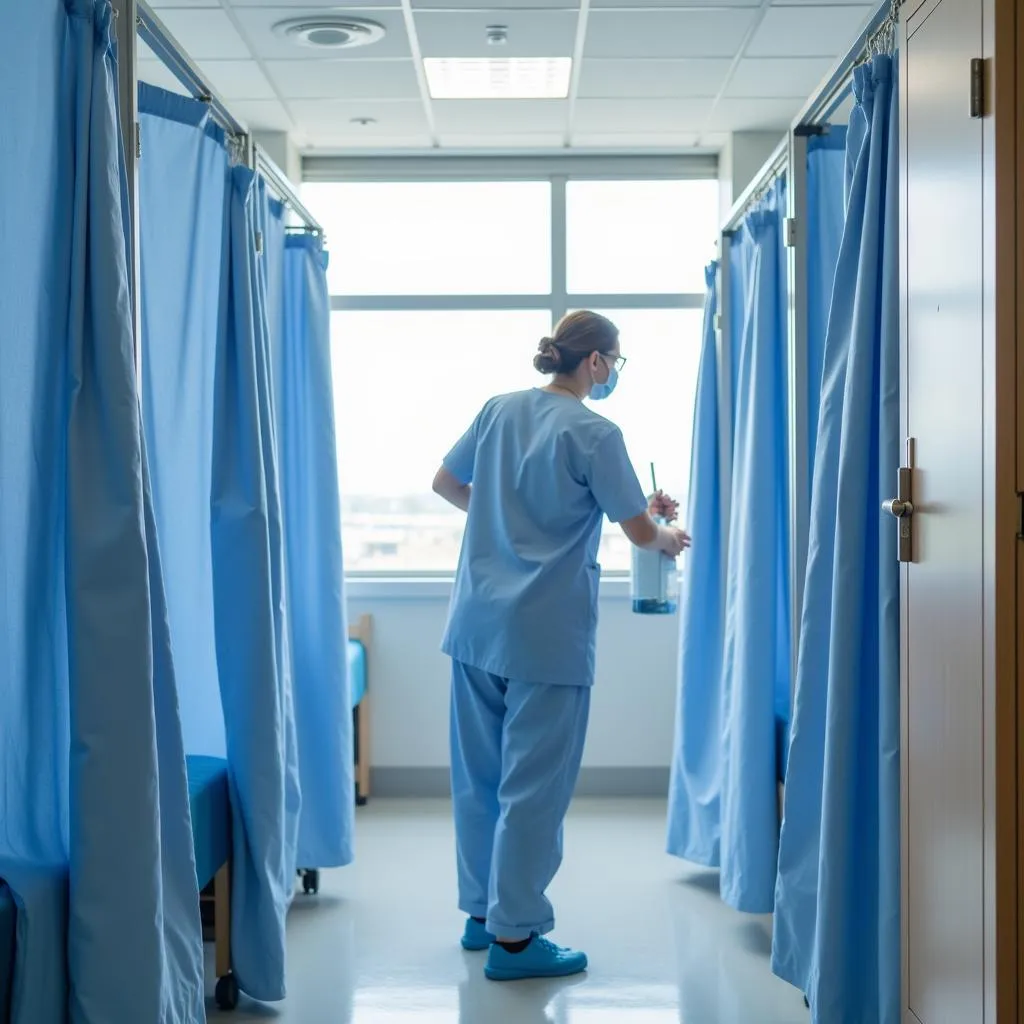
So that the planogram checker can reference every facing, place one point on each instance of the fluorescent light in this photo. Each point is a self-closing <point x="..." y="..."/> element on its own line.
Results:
<point x="509" y="78"/>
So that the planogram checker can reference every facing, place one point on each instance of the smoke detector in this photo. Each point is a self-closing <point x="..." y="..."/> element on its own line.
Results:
<point x="330" y="31"/>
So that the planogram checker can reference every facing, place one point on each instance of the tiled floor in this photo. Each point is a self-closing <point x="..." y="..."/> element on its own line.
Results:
<point x="379" y="945"/>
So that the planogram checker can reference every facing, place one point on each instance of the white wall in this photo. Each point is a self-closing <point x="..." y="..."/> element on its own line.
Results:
<point x="741" y="158"/>
<point x="634" y="701"/>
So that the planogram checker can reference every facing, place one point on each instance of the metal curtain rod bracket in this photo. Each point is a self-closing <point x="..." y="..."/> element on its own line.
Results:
<point x="157" y="37"/>
<point x="830" y="94"/>
<point x="282" y="187"/>
<point x="772" y="169"/>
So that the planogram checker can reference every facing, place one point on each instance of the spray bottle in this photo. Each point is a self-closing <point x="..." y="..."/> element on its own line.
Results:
<point x="653" y="576"/>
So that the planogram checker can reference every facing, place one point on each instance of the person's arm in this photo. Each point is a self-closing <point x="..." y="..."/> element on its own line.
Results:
<point x="448" y="487"/>
<point x="645" y="533"/>
<point x="614" y="485"/>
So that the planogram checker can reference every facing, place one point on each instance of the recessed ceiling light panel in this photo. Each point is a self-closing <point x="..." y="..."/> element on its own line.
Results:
<point x="513" y="78"/>
<point x="329" y="31"/>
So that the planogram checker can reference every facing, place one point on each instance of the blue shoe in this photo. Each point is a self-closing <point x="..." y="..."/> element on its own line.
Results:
<point x="476" y="937"/>
<point x="540" y="959"/>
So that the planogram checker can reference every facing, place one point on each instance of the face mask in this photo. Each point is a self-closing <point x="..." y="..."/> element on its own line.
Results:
<point x="599" y="391"/>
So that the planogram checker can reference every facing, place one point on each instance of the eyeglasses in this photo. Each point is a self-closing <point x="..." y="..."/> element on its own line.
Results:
<point x="619" y="361"/>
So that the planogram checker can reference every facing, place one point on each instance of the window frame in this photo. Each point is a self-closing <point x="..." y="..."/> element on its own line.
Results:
<point x="558" y="172"/>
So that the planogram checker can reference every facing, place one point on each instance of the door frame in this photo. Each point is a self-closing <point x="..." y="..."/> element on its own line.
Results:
<point x="1002" y="35"/>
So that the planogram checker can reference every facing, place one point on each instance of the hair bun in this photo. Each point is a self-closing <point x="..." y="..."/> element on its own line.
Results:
<point x="548" y="357"/>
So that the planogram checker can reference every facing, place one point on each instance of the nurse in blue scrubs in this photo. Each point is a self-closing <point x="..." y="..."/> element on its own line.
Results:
<point x="537" y="472"/>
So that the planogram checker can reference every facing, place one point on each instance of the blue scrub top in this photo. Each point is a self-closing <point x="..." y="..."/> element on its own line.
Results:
<point x="545" y="470"/>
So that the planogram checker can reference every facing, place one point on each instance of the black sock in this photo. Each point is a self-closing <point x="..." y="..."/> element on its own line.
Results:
<point x="480" y="920"/>
<point x="515" y="947"/>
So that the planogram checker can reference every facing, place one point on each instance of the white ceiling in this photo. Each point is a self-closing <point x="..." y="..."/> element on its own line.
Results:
<point x="650" y="74"/>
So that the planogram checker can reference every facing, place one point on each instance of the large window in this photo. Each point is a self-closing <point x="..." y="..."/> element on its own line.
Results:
<point x="440" y="292"/>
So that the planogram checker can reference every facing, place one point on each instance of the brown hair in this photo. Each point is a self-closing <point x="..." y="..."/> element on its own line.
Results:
<point x="576" y="336"/>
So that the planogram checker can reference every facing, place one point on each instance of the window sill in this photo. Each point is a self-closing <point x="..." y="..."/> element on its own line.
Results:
<point x="439" y="588"/>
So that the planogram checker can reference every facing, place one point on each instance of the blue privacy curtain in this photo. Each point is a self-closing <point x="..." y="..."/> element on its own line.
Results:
<point x="826" y="214"/>
<point x="694" y="796"/>
<point x="694" y="813"/>
<point x="252" y="639"/>
<point x="183" y="237"/>
<point x="208" y="409"/>
<point x="837" y="931"/>
<point x="756" y="661"/>
<point x="316" y="588"/>
<point x="90" y="745"/>
<point x="723" y="812"/>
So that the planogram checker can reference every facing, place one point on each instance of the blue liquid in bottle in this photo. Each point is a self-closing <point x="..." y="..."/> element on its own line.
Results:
<point x="653" y="582"/>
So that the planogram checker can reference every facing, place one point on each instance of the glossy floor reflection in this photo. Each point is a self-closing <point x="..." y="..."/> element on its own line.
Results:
<point x="379" y="945"/>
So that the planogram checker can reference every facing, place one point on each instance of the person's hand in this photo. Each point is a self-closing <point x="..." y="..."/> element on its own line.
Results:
<point x="672" y="541"/>
<point x="662" y="505"/>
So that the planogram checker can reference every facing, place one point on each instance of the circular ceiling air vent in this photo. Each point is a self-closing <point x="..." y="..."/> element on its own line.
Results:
<point x="332" y="32"/>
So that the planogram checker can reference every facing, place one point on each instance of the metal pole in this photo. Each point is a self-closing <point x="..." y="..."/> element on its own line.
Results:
<point x="128" y="101"/>
<point x="799" y="393"/>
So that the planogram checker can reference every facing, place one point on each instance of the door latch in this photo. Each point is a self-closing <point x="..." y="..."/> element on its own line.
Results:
<point x="901" y="508"/>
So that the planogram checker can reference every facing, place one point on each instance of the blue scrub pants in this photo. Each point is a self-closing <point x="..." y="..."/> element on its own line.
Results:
<point x="516" y="751"/>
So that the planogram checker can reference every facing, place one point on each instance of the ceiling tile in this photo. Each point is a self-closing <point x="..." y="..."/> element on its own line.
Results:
<point x="497" y="7"/>
<point x="751" y="115"/>
<point x="632" y="5"/>
<point x="301" y="6"/>
<point x="464" y="117"/>
<point x="514" y="141"/>
<point x="265" y="115"/>
<point x="161" y="5"/>
<point x="327" y="145"/>
<point x="154" y="72"/>
<point x="258" y="23"/>
<point x="807" y="31"/>
<point x="464" y="34"/>
<point x="651" y="79"/>
<point x="334" y="118"/>
<point x="238" y="79"/>
<point x="640" y="116"/>
<point x="778" y="77"/>
<point x="338" y="79"/>
<point x="633" y="140"/>
<point x="706" y="32"/>
<point x="205" y="34"/>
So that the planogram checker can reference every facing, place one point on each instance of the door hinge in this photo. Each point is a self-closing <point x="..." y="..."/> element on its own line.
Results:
<point x="790" y="228"/>
<point x="977" y="87"/>
<point x="138" y="141"/>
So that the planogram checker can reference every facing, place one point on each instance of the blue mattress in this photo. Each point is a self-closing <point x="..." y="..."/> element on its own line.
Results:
<point x="8" y="926"/>
<point x="210" y="807"/>
<point x="356" y="671"/>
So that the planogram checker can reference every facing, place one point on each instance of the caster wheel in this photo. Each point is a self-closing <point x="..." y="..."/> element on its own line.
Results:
<point x="227" y="992"/>
<point x="360" y="801"/>
<point x="311" y="882"/>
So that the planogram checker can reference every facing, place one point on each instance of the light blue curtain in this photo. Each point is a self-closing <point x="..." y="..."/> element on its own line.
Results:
<point x="837" y="931"/>
<point x="826" y="215"/>
<point x="734" y="696"/>
<point x="316" y="584"/>
<point x="756" y="669"/>
<point x="694" y="814"/>
<point x="183" y="238"/>
<point x="90" y="744"/>
<point x="251" y="619"/>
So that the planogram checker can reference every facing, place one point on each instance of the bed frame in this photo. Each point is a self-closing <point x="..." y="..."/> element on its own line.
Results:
<point x="362" y="631"/>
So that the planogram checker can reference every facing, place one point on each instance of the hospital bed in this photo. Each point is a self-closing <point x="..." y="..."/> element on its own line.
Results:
<point x="8" y="935"/>
<point x="210" y="807"/>
<point x="359" y="636"/>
